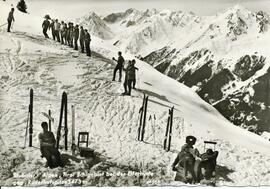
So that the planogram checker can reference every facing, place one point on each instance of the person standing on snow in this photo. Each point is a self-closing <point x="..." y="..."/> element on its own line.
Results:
<point x="129" y="77"/>
<point x="57" y="29"/>
<point x="62" y="30"/>
<point x="76" y="36"/>
<point x="82" y="35"/>
<point x="65" y="33"/>
<point x="53" y="29"/>
<point x="46" y="25"/>
<point x="10" y="19"/>
<point x="71" y="30"/>
<point x="133" y="74"/>
<point x="87" y="39"/>
<point x="47" y="147"/>
<point x="119" y="66"/>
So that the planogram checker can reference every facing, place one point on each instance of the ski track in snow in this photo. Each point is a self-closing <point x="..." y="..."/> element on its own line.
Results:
<point x="110" y="119"/>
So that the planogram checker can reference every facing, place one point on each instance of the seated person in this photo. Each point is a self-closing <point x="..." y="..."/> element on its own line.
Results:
<point x="208" y="164"/>
<point x="186" y="161"/>
<point x="47" y="147"/>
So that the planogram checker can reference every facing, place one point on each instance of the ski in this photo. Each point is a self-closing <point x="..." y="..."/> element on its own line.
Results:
<point x="31" y="117"/>
<point x="141" y="118"/>
<point x="73" y="130"/>
<point x="170" y="131"/>
<point x="144" y="118"/>
<point x="63" y="110"/>
<point x="166" y="133"/>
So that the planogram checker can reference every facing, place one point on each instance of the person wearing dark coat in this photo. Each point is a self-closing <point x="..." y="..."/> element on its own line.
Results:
<point x="46" y="25"/>
<point x="53" y="29"/>
<point x="65" y="33"/>
<point x="10" y="19"/>
<point x="185" y="160"/>
<point x="119" y="66"/>
<point x="47" y="147"/>
<point x="129" y="77"/>
<point x="76" y="36"/>
<point x="82" y="35"/>
<point x="133" y="81"/>
<point x="87" y="39"/>
<point x="71" y="30"/>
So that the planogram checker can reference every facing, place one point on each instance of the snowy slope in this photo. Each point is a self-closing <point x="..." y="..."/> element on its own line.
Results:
<point x="30" y="61"/>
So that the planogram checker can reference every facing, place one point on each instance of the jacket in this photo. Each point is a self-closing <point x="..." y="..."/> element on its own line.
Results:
<point x="87" y="38"/>
<point x="10" y="16"/>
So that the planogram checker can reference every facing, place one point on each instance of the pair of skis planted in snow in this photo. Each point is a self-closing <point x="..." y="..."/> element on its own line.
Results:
<point x="143" y="112"/>
<point x="168" y="134"/>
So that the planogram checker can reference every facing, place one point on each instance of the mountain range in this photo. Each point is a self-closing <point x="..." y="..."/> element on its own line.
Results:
<point x="223" y="57"/>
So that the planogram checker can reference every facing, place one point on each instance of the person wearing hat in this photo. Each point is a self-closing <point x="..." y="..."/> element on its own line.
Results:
<point x="47" y="147"/>
<point x="46" y="25"/>
<point x="10" y="19"/>
<point x="186" y="161"/>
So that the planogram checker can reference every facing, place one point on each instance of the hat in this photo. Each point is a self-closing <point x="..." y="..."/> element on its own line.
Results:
<point x="47" y="16"/>
<point x="191" y="140"/>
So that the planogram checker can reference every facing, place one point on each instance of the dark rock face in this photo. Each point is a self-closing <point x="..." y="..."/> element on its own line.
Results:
<point x="262" y="89"/>
<point x="114" y="17"/>
<point x="200" y="75"/>
<point x="160" y="59"/>
<point x="247" y="66"/>
<point x="212" y="88"/>
<point x="213" y="81"/>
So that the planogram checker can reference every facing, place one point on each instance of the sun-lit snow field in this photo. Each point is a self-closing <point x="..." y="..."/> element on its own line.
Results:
<point x="28" y="60"/>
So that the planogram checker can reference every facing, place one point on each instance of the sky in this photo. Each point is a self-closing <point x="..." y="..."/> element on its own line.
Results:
<point x="64" y="9"/>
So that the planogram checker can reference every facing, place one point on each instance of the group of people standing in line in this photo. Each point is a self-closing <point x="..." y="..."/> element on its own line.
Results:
<point x="68" y="34"/>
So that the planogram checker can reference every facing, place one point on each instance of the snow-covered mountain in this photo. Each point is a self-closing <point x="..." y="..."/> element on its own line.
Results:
<point x="148" y="30"/>
<point x="96" y="26"/>
<point x="28" y="60"/>
<point x="225" y="59"/>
